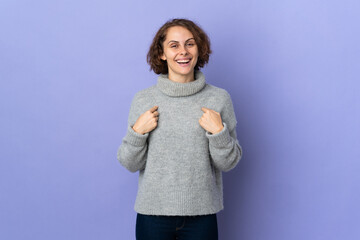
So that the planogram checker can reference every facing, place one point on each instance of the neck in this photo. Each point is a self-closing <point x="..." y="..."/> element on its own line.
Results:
<point x="182" y="78"/>
<point x="181" y="89"/>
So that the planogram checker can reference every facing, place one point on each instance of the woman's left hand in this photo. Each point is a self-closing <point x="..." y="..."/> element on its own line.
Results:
<point x="211" y="120"/>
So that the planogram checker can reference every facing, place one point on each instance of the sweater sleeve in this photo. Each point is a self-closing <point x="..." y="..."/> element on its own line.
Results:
<point x="225" y="150"/>
<point x="132" y="153"/>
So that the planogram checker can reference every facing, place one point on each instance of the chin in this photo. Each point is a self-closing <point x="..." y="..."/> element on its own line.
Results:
<point x="186" y="71"/>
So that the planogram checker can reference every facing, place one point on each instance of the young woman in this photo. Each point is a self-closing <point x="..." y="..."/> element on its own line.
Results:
<point x="181" y="136"/>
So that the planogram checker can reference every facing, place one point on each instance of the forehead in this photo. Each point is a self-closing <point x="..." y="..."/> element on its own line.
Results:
<point x="178" y="32"/>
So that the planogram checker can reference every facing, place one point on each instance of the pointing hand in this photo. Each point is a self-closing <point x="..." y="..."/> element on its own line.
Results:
<point x="147" y="121"/>
<point x="211" y="121"/>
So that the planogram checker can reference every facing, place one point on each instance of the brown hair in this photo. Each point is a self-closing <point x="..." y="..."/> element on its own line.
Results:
<point x="156" y="49"/>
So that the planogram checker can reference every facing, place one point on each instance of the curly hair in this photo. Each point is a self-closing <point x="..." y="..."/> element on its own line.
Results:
<point x="156" y="48"/>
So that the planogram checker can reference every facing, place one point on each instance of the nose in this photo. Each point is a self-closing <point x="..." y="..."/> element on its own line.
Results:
<point x="183" y="50"/>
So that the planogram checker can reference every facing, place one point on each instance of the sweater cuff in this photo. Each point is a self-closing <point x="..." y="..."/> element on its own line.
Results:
<point x="221" y="138"/>
<point x="135" y="138"/>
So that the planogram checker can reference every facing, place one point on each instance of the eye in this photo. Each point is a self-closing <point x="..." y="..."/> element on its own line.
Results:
<point x="172" y="46"/>
<point x="190" y="44"/>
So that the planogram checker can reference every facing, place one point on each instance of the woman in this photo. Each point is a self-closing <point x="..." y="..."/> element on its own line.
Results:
<point x="180" y="137"/>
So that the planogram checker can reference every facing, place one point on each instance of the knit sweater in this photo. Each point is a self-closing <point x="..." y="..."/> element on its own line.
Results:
<point x="180" y="163"/>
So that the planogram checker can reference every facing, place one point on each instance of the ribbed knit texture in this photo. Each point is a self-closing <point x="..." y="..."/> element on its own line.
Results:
<point x="180" y="164"/>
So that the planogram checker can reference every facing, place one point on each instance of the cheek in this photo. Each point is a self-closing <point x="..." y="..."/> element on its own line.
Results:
<point x="196" y="55"/>
<point x="196" y="52"/>
<point x="171" y="54"/>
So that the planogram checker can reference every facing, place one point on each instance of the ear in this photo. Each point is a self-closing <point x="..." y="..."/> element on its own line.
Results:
<point x="163" y="57"/>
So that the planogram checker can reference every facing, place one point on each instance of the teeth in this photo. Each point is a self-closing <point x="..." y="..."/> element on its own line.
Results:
<point x="183" y="61"/>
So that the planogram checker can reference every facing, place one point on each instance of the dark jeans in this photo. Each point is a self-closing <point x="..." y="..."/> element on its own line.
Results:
<point x="202" y="227"/>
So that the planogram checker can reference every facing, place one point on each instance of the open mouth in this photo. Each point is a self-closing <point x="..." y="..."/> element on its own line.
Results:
<point x="183" y="62"/>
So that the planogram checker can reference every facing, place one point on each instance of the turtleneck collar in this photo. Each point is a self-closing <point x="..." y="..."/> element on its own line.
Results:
<point x="176" y="89"/>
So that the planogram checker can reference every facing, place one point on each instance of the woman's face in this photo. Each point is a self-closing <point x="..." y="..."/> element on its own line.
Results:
<point x="180" y="46"/>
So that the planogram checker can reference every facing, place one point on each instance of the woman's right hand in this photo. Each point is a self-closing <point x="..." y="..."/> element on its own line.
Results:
<point x="147" y="121"/>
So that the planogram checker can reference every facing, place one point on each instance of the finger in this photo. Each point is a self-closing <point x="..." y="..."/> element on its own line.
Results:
<point x="153" y="108"/>
<point x="205" y="109"/>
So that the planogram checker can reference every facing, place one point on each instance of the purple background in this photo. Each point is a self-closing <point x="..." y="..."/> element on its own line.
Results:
<point x="69" y="70"/>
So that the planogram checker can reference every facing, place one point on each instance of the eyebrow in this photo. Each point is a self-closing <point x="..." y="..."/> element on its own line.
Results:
<point x="178" y="41"/>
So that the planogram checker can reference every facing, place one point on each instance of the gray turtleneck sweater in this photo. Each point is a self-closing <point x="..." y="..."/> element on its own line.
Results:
<point x="180" y="164"/>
